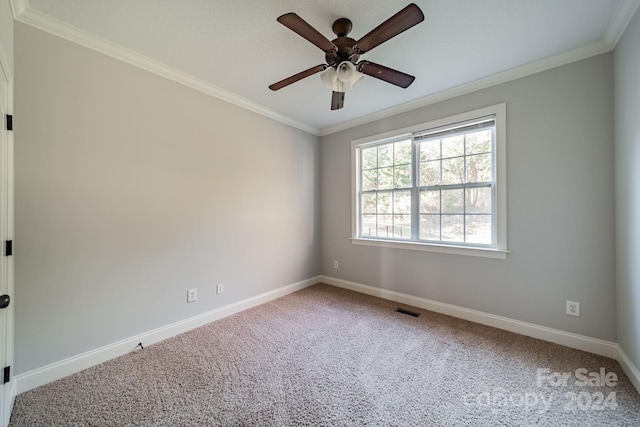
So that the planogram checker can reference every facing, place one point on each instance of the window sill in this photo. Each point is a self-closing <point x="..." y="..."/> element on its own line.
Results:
<point x="430" y="247"/>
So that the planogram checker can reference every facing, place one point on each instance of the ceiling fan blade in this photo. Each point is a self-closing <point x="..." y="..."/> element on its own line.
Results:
<point x="337" y="100"/>
<point x="401" y="21"/>
<point x="301" y="75"/>
<point x="300" y="26"/>
<point x="387" y="74"/>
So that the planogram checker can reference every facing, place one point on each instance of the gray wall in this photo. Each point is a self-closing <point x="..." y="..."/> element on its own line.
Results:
<point x="627" y="159"/>
<point x="560" y="207"/>
<point x="132" y="189"/>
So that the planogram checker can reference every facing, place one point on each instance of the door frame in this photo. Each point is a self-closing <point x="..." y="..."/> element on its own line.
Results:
<point x="8" y="390"/>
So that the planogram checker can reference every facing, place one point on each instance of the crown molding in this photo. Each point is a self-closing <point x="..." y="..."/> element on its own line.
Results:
<point x="18" y="7"/>
<point x="492" y="80"/>
<point x="73" y="34"/>
<point x="619" y="21"/>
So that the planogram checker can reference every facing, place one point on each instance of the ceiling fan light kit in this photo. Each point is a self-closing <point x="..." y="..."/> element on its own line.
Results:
<point x="341" y="78"/>
<point x="342" y="70"/>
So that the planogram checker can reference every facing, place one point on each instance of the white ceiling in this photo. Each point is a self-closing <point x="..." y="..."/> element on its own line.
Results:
<point x="235" y="48"/>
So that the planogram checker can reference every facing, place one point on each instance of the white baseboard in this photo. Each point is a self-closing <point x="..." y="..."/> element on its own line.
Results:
<point x="629" y="368"/>
<point x="63" y="368"/>
<point x="567" y="339"/>
<point x="580" y="342"/>
<point x="71" y="365"/>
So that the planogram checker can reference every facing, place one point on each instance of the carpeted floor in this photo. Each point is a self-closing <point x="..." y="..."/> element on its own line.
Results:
<point x="325" y="356"/>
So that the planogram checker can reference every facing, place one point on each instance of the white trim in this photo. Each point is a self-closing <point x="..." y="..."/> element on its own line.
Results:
<point x="4" y="65"/>
<point x="6" y="217"/>
<point x="13" y="392"/>
<point x="18" y="7"/>
<point x="568" y="339"/>
<point x="63" y="368"/>
<point x="501" y="178"/>
<point x="629" y="368"/>
<point x="73" y="34"/>
<point x="71" y="365"/>
<point x="621" y="17"/>
<point x="23" y="13"/>
<point x="11" y="236"/>
<point x="555" y="61"/>
<point x="430" y="247"/>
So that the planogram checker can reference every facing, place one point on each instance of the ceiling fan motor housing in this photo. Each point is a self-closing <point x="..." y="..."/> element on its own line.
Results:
<point x="342" y="54"/>
<point x="341" y="27"/>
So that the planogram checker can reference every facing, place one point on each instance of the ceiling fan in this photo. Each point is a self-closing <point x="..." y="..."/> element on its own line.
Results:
<point x="342" y="69"/>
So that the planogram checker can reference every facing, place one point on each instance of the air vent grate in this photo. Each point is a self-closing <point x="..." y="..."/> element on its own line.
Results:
<point x="409" y="312"/>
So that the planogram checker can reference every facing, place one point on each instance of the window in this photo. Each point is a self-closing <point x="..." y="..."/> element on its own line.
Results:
<point x="438" y="186"/>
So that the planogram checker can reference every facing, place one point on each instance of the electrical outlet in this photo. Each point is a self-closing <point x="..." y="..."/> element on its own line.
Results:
<point x="336" y="265"/>
<point x="219" y="288"/>
<point x="192" y="295"/>
<point x="573" y="308"/>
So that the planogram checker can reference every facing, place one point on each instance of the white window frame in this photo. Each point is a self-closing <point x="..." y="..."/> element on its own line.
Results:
<point x="500" y="214"/>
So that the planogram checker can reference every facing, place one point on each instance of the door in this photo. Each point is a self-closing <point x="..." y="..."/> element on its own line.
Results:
<point x="6" y="262"/>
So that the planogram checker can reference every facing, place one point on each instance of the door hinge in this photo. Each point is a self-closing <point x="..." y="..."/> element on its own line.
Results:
<point x="6" y="375"/>
<point x="9" y="122"/>
<point x="8" y="247"/>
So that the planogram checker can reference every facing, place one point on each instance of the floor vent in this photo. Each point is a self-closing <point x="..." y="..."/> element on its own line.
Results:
<point x="409" y="312"/>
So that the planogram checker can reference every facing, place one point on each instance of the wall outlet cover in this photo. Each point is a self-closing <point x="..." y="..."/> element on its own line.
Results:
<point x="573" y="308"/>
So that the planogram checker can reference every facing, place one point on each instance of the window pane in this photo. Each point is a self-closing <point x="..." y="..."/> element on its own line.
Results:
<point x="453" y="201"/>
<point x="453" y="146"/>
<point x="430" y="227"/>
<point x="402" y="202"/>
<point x="479" y="142"/>
<point x="453" y="228"/>
<point x="453" y="171"/>
<point x="449" y="174"/>
<point x="479" y="168"/>
<point x="385" y="178"/>
<point x="430" y="201"/>
<point x="402" y="176"/>
<point x="369" y="180"/>
<point x="385" y="155"/>
<point x="402" y="152"/>
<point x="369" y="225"/>
<point x="402" y="226"/>
<point x="478" y="229"/>
<point x="430" y="173"/>
<point x="385" y="225"/>
<point x="369" y="158"/>
<point x="369" y="203"/>
<point x="478" y="200"/>
<point x="384" y="203"/>
<point x="430" y="150"/>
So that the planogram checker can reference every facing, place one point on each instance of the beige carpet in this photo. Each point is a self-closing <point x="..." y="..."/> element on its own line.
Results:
<point x="325" y="356"/>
